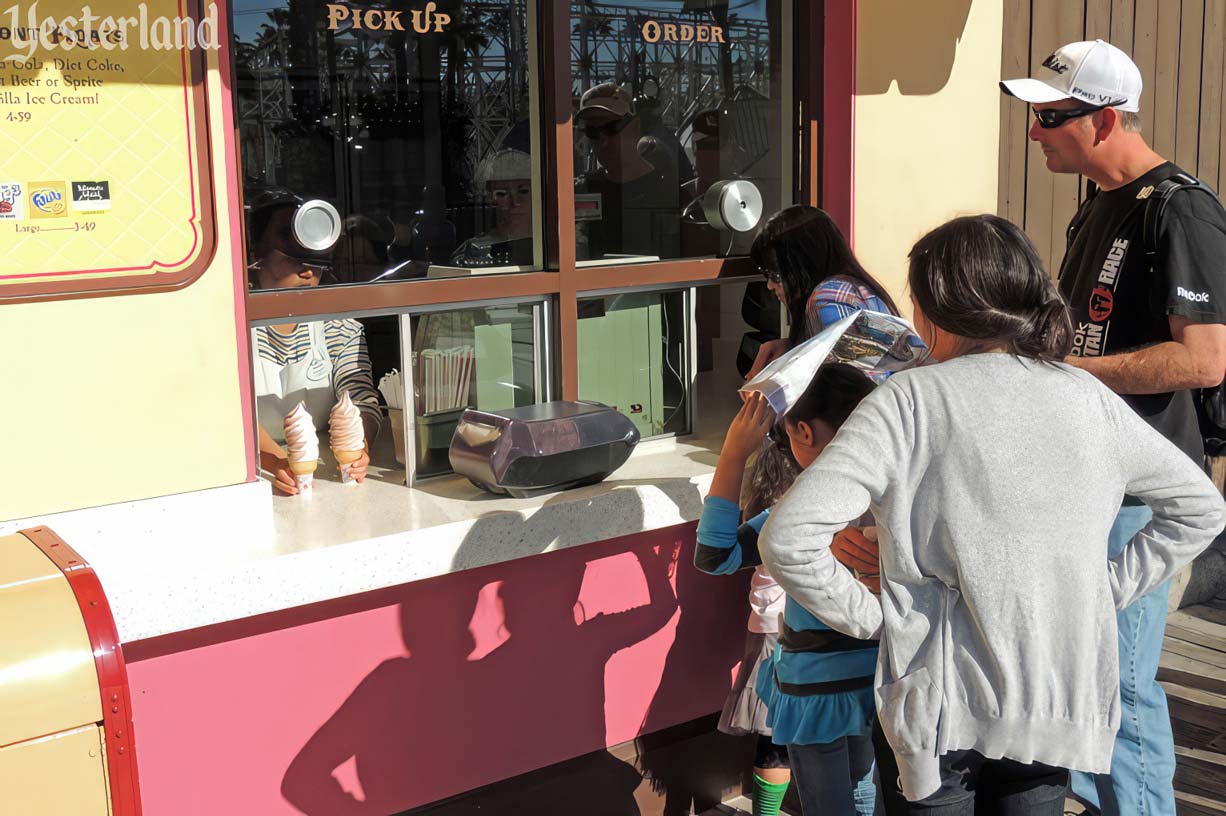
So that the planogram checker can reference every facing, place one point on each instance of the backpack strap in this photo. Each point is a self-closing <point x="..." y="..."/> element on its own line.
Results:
<point x="1155" y="208"/>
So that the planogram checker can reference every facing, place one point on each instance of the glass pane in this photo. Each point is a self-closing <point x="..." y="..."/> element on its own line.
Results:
<point x="731" y="321"/>
<point x="316" y="364"/>
<point x="480" y="358"/>
<point x="632" y="357"/>
<point x="412" y="124"/>
<point x="671" y="98"/>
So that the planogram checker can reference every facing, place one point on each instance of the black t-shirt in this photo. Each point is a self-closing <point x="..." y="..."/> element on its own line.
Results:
<point x="639" y="217"/>
<point x="1118" y="304"/>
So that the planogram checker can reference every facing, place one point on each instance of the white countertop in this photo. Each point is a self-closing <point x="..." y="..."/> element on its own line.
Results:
<point x="183" y="562"/>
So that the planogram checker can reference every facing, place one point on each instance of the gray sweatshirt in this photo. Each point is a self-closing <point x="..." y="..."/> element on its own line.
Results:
<point x="994" y="482"/>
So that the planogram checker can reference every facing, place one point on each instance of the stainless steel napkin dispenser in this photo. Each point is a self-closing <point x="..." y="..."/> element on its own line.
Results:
<point x="538" y="448"/>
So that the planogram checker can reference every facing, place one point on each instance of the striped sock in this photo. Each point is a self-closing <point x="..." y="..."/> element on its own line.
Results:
<point x="767" y="796"/>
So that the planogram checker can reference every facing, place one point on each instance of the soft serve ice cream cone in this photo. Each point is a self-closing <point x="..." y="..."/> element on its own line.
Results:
<point x="302" y="445"/>
<point x="346" y="435"/>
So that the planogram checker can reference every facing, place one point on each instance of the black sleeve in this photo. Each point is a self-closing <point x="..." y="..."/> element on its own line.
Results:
<point x="1192" y="256"/>
<point x="711" y="560"/>
<point x="747" y="537"/>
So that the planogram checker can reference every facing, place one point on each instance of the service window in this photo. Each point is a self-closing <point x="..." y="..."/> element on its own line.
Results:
<point x="387" y="142"/>
<point x="680" y="112"/>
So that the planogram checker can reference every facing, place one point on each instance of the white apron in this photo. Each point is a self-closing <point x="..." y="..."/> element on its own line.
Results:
<point x="279" y="388"/>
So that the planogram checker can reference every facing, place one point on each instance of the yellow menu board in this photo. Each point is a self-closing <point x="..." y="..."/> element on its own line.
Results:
<point x="103" y="148"/>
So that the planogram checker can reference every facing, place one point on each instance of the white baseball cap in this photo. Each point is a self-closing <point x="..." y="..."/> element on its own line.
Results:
<point x="1094" y="72"/>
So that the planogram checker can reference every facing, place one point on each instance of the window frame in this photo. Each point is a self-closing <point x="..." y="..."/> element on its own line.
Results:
<point x="560" y="281"/>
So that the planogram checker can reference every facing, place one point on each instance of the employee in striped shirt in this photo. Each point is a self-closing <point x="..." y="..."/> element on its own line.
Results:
<point x="315" y="362"/>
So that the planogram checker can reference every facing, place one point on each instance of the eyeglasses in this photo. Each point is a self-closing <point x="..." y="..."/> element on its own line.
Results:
<point x="595" y="132"/>
<point x="1055" y="117"/>
<point x="772" y="275"/>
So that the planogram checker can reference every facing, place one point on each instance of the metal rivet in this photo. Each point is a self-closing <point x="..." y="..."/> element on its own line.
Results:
<point x="93" y="603"/>
<point x="118" y="735"/>
<point x="114" y="698"/>
<point x="121" y="749"/>
<point x="114" y="709"/>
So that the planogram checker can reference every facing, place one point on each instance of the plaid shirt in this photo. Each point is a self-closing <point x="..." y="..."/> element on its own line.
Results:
<point x="835" y="299"/>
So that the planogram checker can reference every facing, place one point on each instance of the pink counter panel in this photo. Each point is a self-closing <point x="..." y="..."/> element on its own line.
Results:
<point x="394" y="699"/>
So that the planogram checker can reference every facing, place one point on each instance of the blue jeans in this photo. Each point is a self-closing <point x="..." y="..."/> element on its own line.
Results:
<point x="835" y="778"/>
<point x="1143" y="765"/>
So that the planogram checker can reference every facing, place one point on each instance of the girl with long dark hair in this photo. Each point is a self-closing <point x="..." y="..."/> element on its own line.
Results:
<point x="994" y="477"/>
<point x="811" y="269"/>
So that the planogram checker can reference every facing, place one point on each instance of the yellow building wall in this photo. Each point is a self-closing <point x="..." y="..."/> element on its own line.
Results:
<point x="113" y="399"/>
<point x="926" y="123"/>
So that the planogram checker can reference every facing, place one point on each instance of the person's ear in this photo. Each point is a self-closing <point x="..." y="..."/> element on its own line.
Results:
<point x="803" y="432"/>
<point x="1105" y="122"/>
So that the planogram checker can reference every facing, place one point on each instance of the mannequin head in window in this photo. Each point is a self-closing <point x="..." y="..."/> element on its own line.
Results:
<point x="610" y="124"/>
<point x="505" y="179"/>
<point x="277" y="259"/>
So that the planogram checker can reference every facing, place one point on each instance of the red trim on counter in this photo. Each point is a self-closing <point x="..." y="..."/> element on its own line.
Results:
<point x="108" y="661"/>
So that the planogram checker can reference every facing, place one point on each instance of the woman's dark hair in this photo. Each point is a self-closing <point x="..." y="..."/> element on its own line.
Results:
<point x="773" y="473"/>
<point x="835" y="392"/>
<point x="980" y="277"/>
<point x="804" y="246"/>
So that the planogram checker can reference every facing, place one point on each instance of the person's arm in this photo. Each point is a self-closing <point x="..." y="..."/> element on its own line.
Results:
<point x="718" y="550"/>
<point x="274" y="460"/>
<point x="853" y="473"/>
<point x="1194" y="358"/>
<point x="1188" y="511"/>
<point x="1191" y="258"/>
<point x="351" y="371"/>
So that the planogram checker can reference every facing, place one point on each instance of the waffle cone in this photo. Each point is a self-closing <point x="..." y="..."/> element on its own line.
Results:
<point x="303" y="468"/>
<point x="347" y="457"/>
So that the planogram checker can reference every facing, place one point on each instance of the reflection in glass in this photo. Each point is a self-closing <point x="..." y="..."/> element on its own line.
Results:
<point x="422" y="141"/>
<point x="671" y="98"/>
<point x="632" y="357"/>
<point x="481" y="358"/>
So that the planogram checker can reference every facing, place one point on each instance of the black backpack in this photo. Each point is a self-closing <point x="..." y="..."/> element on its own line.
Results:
<point x="1210" y="402"/>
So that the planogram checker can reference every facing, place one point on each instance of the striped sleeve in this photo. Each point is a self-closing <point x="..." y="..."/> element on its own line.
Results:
<point x="351" y="369"/>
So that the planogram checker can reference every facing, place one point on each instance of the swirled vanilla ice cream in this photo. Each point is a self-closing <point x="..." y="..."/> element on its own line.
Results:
<point x="346" y="435"/>
<point x="302" y="445"/>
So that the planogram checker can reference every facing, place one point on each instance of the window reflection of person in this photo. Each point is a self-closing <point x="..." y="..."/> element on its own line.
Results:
<point x="640" y="212"/>
<point x="505" y="181"/>
<point x="312" y="362"/>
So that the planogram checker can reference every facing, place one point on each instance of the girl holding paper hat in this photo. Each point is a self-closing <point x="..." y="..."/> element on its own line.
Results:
<point x="807" y="690"/>
<point x="811" y="269"/>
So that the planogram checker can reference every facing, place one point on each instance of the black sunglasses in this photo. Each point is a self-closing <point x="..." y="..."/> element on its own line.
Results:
<point x="594" y="132"/>
<point x="772" y="275"/>
<point x="1055" y="117"/>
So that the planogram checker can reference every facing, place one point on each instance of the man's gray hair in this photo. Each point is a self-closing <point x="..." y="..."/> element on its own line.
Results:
<point x="1130" y="121"/>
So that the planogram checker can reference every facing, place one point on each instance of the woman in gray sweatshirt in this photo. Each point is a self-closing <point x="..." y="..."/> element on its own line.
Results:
<point x="994" y="477"/>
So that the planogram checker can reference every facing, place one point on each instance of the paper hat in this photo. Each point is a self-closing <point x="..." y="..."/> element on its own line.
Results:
<point x="874" y="342"/>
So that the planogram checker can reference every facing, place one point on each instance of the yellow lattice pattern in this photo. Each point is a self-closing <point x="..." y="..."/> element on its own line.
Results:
<point x="134" y="130"/>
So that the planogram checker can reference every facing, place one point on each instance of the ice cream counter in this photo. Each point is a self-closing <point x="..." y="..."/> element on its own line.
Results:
<point x="256" y="627"/>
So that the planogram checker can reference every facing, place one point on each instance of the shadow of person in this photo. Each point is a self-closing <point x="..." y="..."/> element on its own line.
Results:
<point x="708" y="644"/>
<point x="408" y="725"/>
<point x="552" y="673"/>
<point x="893" y="27"/>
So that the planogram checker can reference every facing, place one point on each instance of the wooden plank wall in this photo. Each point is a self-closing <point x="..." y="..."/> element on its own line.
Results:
<point x="1177" y="44"/>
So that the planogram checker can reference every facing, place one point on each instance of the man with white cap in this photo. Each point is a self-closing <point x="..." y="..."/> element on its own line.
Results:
<point x="1146" y="284"/>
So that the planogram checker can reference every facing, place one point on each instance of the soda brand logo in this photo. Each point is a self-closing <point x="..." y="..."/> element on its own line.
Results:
<point x="47" y="199"/>
<point x="654" y="32"/>
<point x="384" y="20"/>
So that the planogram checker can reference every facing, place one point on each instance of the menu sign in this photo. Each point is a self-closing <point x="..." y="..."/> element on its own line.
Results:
<point x="104" y="180"/>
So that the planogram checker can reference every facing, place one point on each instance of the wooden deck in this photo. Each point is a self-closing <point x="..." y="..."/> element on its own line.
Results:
<point x="1193" y="672"/>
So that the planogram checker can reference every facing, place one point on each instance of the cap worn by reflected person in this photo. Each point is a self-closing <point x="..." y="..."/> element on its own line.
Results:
<point x="604" y="103"/>
<point x="1094" y="72"/>
<point x="505" y="164"/>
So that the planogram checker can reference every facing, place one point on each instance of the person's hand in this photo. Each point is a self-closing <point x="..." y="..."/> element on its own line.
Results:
<point x="767" y="353"/>
<point x="357" y="468"/>
<point x="857" y="549"/>
<point x="749" y="427"/>
<point x="282" y="477"/>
